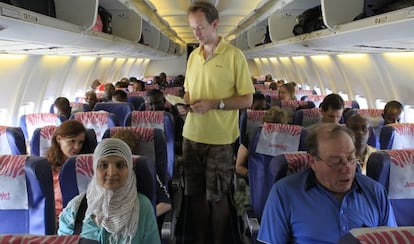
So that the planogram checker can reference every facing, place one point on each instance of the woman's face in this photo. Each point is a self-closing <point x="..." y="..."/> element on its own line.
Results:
<point x="284" y="94"/>
<point x="112" y="172"/>
<point x="71" y="146"/>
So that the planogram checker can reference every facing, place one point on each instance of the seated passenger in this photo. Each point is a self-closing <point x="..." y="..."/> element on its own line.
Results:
<point x="287" y="92"/>
<point x="392" y="112"/>
<point x="108" y="92"/>
<point x="155" y="101"/>
<point x="138" y="85"/>
<point x="331" y="108"/>
<point x="273" y="86"/>
<point x="120" y="96"/>
<point x="122" y="85"/>
<point x="163" y="197"/>
<point x="324" y="202"/>
<point x="259" y="102"/>
<point x="67" y="141"/>
<point x="273" y="115"/>
<point x="91" y="99"/>
<point x="62" y="107"/>
<point x="268" y="78"/>
<point x="115" y="211"/>
<point x="359" y="125"/>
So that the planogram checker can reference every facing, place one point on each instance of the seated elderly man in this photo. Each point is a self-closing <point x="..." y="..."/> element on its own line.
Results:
<point x="359" y="125"/>
<point x="324" y="202"/>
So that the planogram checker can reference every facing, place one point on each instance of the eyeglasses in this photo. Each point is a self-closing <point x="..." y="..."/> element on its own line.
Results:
<point x="338" y="162"/>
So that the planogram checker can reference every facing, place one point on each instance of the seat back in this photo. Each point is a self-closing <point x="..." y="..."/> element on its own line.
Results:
<point x="250" y="120"/>
<point x="376" y="121"/>
<point x="136" y="101"/>
<point x="119" y="109"/>
<point x="160" y="120"/>
<point x="379" y="235"/>
<point x="351" y="104"/>
<point x="43" y="239"/>
<point x="42" y="141"/>
<point x="316" y="99"/>
<point x="77" y="172"/>
<point x="12" y="141"/>
<point x="307" y="117"/>
<point x="98" y="121"/>
<point x="151" y="144"/>
<point x="75" y="106"/>
<point x="394" y="169"/>
<point x="269" y="141"/>
<point x="27" y="199"/>
<point x="300" y="93"/>
<point x="397" y="136"/>
<point x="291" y="106"/>
<point x="29" y="122"/>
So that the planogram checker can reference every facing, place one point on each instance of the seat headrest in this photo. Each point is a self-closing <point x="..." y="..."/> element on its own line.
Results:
<point x="275" y="139"/>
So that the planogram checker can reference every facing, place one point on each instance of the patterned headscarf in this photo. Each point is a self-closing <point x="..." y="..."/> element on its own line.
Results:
<point x="115" y="210"/>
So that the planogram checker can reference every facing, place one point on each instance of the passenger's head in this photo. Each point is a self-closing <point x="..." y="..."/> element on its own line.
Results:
<point x="163" y="77"/>
<point x="138" y="85"/>
<point x="95" y="84"/>
<point x="129" y="138"/>
<point x="332" y="108"/>
<point x="392" y="112"/>
<point x="275" y="115"/>
<point x="268" y="78"/>
<point x="203" y="19"/>
<point x="359" y="125"/>
<point x="67" y="141"/>
<point x="109" y="91"/>
<point x="112" y="194"/>
<point x="273" y="86"/>
<point x="122" y="85"/>
<point x="120" y="96"/>
<point x="62" y="107"/>
<point x="155" y="100"/>
<point x="287" y="92"/>
<point x="333" y="156"/>
<point x="91" y="99"/>
<point x="259" y="102"/>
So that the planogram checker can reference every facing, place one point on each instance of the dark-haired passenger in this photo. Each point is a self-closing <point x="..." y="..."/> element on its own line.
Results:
<point x="392" y="112"/>
<point x="62" y="107"/>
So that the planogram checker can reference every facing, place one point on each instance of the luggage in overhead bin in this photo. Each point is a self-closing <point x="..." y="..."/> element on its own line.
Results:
<point x="106" y="18"/>
<point x="372" y="7"/>
<point x="46" y="7"/>
<point x="310" y="20"/>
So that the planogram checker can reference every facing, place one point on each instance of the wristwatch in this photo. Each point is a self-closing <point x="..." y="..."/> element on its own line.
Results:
<point x="221" y="104"/>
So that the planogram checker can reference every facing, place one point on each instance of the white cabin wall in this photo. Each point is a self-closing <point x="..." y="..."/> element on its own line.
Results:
<point x="35" y="79"/>
<point x="374" y="76"/>
<point x="172" y="67"/>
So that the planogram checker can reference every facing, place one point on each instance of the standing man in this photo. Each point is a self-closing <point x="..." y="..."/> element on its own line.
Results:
<point x="217" y="84"/>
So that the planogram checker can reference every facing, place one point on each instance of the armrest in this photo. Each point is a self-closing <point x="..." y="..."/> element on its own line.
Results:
<point x="251" y="222"/>
<point x="168" y="227"/>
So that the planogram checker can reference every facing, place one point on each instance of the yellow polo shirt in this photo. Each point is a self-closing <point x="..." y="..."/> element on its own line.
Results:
<point x="224" y="75"/>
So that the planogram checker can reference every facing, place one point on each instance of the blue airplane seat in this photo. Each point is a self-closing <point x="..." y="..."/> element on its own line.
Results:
<point x="151" y="144"/>
<point x="121" y="110"/>
<point x="77" y="172"/>
<point x="42" y="140"/>
<point x="160" y="120"/>
<point x="29" y="122"/>
<point x="27" y="204"/>
<point x="394" y="170"/>
<point x="136" y="101"/>
<point x="307" y="117"/>
<point x="12" y="141"/>
<point x="397" y="136"/>
<point x="99" y="121"/>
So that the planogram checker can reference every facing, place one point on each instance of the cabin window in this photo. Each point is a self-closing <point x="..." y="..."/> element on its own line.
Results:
<point x="46" y="104"/>
<point x="26" y="108"/>
<point x="379" y="103"/>
<point x="362" y="101"/>
<point x="317" y="90"/>
<point x="328" y="91"/>
<point x="409" y="113"/>
<point x="344" y="96"/>
<point x="3" y="116"/>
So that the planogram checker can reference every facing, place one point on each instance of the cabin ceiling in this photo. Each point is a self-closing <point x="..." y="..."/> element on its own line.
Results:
<point x="231" y="13"/>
